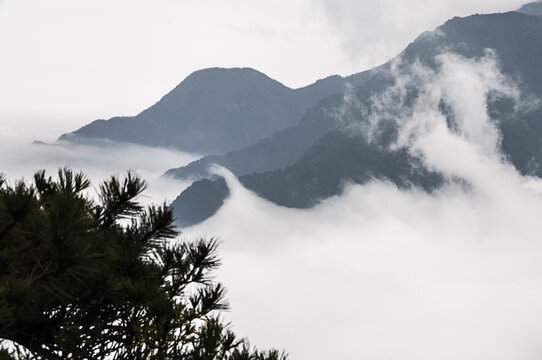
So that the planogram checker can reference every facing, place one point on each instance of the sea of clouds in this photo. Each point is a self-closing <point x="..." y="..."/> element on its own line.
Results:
<point x="377" y="272"/>
<point x="383" y="273"/>
<point x="21" y="157"/>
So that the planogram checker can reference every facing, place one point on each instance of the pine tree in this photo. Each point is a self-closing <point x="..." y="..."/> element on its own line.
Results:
<point x="106" y="278"/>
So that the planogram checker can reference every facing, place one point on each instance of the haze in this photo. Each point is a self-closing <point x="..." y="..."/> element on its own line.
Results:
<point x="381" y="273"/>
<point x="376" y="273"/>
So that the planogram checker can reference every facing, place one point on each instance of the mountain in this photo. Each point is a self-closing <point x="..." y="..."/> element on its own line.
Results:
<point x="534" y="8"/>
<point x="282" y="148"/>
<point x="338" y="157"/>
<point x="335" y="159"/>
<point x="215" y="110"/>
<point x="285" y="147"/>
<point x="279" y="150"/>
<point x="201" y="201"/>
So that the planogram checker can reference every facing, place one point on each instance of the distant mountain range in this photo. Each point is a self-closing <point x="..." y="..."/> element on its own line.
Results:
<point x="296" y="148"/>
<point x="318" y="171"/>
<point x="214" y="111"/>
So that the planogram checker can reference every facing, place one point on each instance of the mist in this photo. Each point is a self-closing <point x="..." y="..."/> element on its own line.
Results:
<point x="377" y="272"/>
<point x="21" y="157"/>
<point x="384" y="273"/>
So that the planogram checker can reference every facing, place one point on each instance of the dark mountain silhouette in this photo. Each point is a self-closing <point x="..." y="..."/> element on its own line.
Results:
<point x="284" y="147"/>
<point x="337" y="157"/>
<point x="277" y="151"/>
<point x="534" y="8"/>
<point x="214" y="111"/>
<point x="201" y="201"/>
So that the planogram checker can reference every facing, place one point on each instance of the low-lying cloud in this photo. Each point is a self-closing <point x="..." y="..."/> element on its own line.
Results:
<point x="378" y="272"/>
<point x="384" y="273"/>
<point x="21" y="158"/>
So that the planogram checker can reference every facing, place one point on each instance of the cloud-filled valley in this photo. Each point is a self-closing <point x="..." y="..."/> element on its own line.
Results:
<point x="21" y="158"/>
<point x="443" y="260"/>
<point x="377" y="272"/>
<point x="384" y="273"/>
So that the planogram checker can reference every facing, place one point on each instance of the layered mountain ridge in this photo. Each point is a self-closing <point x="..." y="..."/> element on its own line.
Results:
<point x="297" y="147"/>
<point x="216" y="110"/>
<point x="337" y="156"/>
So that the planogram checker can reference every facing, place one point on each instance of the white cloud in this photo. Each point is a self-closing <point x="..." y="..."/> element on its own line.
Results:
<point x="21" y="159"/>
<point x="464" y="85"/>
<point x="382" y="273"/>
<point x="376" y="273"/>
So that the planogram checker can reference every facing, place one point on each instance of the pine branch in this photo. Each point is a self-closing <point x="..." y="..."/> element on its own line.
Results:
<point x="117" y="198"/>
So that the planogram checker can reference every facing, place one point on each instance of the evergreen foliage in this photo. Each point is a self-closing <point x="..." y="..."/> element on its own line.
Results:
<point x="95" y="279"/>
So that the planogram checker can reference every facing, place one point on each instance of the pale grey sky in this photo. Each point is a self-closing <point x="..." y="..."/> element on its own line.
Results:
<point x="72" y="61"/>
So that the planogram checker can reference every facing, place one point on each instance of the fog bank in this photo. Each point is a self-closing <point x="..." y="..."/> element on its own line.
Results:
<point x="383" y="273"/>
<point x="378" y="272"/>
<point x="21" y="158"/>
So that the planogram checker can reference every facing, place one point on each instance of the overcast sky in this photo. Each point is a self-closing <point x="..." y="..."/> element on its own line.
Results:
<point x="72" y="61"/>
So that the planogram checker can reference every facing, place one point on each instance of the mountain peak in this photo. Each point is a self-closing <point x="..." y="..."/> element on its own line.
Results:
<point x="215" y="73"/>
<point x="216" y="110"/>
<point x="317" y="169"/>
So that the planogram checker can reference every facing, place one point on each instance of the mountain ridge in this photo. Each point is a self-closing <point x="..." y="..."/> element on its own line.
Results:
<point x="281" y="149"/>
<point x="517" y="41"/>
<point x="214" y="111"/>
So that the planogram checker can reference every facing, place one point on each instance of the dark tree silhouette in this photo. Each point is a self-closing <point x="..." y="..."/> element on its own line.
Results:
<point x="95" y="279"/>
